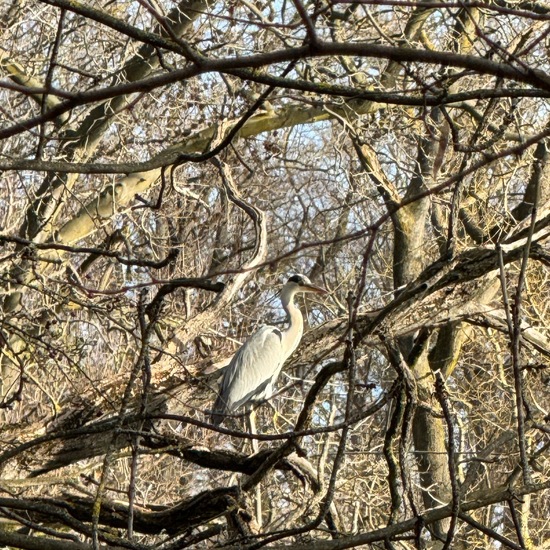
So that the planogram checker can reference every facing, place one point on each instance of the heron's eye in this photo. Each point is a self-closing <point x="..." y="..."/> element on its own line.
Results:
<point x="296" y="279"/>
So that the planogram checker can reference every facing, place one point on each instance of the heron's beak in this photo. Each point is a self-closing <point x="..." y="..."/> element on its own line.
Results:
<point x="314" y="289"/>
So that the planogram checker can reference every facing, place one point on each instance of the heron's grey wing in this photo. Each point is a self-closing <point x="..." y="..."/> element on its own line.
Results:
<point x="253" y="369"/>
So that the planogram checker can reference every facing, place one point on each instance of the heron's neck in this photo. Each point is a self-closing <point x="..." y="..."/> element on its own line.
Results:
<point x="293" y="333"/>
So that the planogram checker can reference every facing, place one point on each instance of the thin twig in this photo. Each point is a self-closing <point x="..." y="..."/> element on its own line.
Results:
<point x="90" y="250"/>
<point x="517" y="523"/>
<point x="489" y="532"/>
<point x="146" y="328"/>
<point x="516" y="340"/>
<point x="442" y="396"/>
<point x="48" y="83"/>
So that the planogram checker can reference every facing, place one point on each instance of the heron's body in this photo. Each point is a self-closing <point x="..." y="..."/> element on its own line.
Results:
<point x="254" y="369"/>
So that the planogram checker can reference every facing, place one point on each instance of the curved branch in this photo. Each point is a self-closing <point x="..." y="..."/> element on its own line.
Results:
<point x="534" y="77"/>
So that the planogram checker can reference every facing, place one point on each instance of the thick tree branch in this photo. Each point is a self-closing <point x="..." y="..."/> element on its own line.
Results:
<point x="534" y="77"/>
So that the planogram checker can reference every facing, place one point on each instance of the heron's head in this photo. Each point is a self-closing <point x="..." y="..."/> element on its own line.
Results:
<point x="300" y="283"/>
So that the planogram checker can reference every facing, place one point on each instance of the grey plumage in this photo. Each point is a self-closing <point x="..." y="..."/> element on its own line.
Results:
<point x="252" y="373"/>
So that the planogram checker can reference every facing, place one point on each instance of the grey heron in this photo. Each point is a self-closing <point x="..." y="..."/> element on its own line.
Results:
<point x="254" y="369"/>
